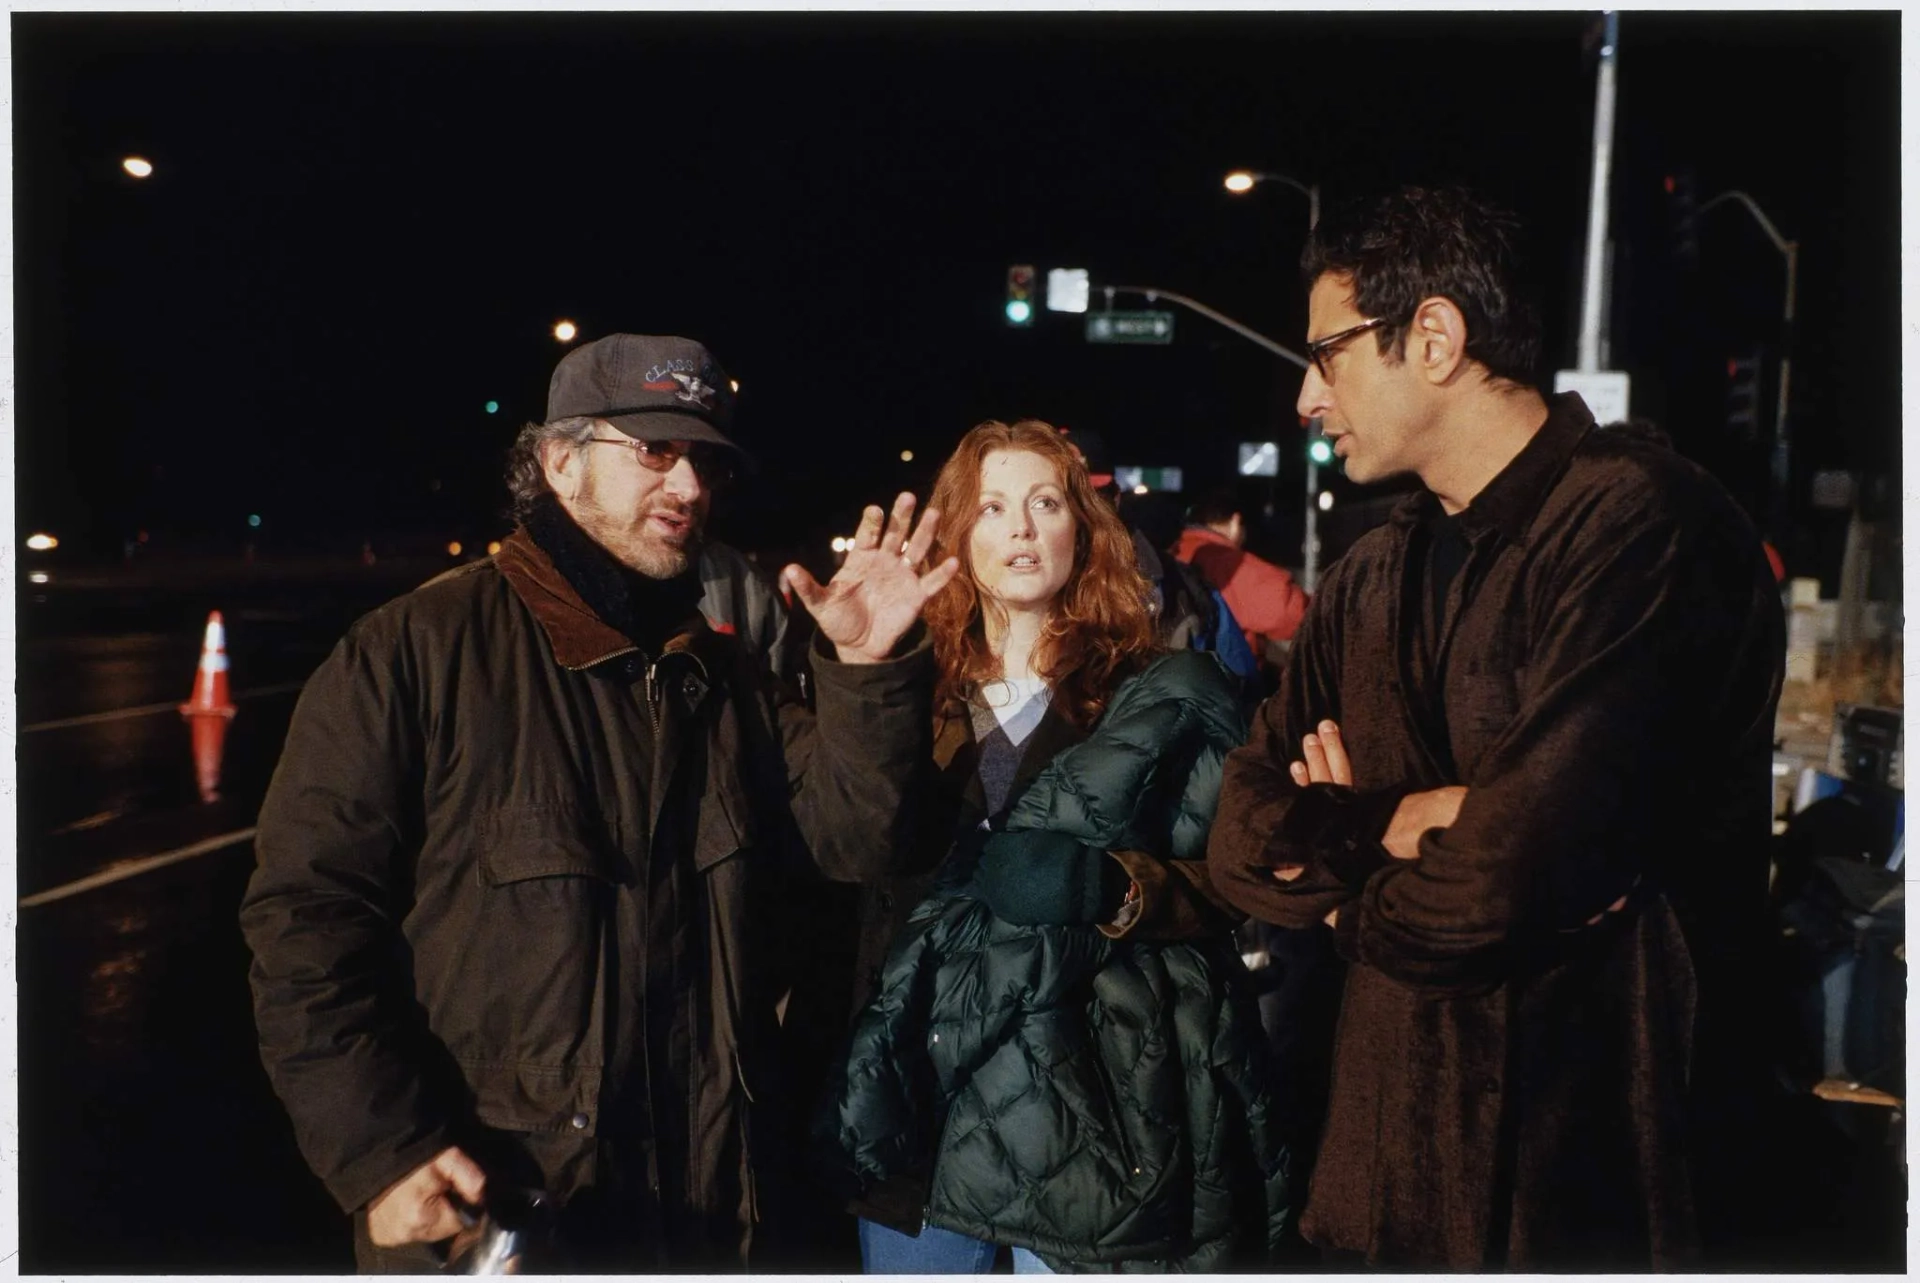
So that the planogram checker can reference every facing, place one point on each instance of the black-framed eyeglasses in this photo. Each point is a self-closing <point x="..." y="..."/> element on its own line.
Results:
<point x="1320" y="349"/>
<point x="713" y="464"/>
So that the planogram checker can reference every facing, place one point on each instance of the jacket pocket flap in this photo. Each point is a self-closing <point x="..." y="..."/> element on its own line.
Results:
<point x="534" y="1098"/>
<point x="542" y="842"/>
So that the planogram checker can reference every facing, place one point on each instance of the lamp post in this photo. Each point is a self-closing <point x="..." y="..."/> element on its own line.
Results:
<point x="1240" y="182"/>
<point x="1789" y="250"/>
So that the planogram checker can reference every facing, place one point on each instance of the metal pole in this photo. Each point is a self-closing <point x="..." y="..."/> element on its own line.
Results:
<point x="1594" y="288"/>
<point x="1221" y="318"/>
<point x="1782" y="450"/>
<point x="1310" y="546"/>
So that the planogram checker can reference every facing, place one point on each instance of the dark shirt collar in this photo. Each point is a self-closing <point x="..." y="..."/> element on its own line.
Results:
<point x="1509" y="501"/>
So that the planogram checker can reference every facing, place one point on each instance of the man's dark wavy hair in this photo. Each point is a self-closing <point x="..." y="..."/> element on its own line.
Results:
<point x="1420" y="243"/>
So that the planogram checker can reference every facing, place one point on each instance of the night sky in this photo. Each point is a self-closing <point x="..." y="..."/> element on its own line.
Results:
<point x="362" y="228"/>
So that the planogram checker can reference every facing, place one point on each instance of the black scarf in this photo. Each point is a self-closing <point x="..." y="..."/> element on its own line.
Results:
<point x="648" y="611"/>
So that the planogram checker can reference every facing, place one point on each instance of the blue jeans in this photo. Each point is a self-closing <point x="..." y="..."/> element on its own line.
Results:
<point x="935" y="1251"/>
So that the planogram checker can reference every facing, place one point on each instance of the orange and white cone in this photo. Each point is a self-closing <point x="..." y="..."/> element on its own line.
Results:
<point x="210" y="708"/>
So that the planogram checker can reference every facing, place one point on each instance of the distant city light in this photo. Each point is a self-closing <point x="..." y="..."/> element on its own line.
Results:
<point x="565" y="331"/>
<point x="1326" y="501"/>
<point x="493" y="549"/>
<point x="1320" y="450"/>
<point x="1141" y="489"/>
<point x="841" y="543"/>
<point x="1019" y="311"/>
<point x="734" y="384"/>
<point x="493" y="407"/>
<point x="906" y="456"/>
<point x="138" y="166"/>
<point x="42" y="543"/>
<point x="37" y="577"/>
<point x="253" y="519"/>
<point x="453" y="549"/>
<point x="1240" y="181"/>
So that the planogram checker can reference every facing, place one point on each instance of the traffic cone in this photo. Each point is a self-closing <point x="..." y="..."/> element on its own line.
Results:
<point x="209" y="708"/>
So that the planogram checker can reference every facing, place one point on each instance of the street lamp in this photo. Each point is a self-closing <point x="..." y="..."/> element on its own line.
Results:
<point x="1789" y="250"/>
<point x="565" y="331"/>
<point x="1239" y="182"/>
<point x="1242" y="181"/>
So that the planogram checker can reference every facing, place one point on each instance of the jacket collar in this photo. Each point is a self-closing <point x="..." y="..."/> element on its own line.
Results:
<point x="1195" y="535"/>
<point x="1509" y="502"/>
<point x="579" y="637"/>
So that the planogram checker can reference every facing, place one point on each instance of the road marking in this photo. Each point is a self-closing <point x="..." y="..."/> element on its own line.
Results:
<point x="92" y="821"/>
<point x="134" y="868"/>
<point x="147" y="710"/>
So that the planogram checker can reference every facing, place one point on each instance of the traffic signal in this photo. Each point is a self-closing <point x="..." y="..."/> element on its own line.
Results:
<point x="1683" y="215"/>
<point x="1319" y="449"/>
<point x="1020" y="295"/>
<point x="1743" y="394"/>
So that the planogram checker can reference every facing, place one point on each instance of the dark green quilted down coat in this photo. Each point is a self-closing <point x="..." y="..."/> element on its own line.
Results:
<point x="1098" y="1101"/>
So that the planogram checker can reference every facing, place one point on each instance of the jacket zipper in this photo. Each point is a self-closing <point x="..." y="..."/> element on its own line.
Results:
<point x="653" y="694"/>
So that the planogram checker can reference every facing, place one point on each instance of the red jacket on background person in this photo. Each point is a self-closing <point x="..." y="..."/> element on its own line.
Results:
<point x="1261" y="595"/>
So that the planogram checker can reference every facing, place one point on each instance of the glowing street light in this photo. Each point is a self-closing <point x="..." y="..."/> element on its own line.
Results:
<point x="138" y="166"/>
<point x="565" y="331"/>
<point x="42" y="542"/>
<point x="906" y="456"/>
<point x="1326" y="501"/>
<point x="1242" y="181"/>
<point x="734" y="384"/>
<point x="453" y="549"/>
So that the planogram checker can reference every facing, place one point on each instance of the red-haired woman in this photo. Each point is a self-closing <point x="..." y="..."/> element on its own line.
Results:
<point x="1053" y="1055"/>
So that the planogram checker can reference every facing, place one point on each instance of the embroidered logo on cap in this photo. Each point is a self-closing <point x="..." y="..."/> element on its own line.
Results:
<point x="697" y="392"/>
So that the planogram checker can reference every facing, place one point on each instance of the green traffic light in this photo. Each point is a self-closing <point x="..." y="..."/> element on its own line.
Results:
<point x="493" y="407"/>
<point x="1019" y="311"/>
<point x="1320" y="451"/>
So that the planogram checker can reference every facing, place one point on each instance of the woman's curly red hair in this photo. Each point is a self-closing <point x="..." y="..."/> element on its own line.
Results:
<point x="1099" y="631"/>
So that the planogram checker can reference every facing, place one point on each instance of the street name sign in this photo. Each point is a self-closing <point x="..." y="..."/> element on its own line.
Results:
<point x="1129" y="327"/>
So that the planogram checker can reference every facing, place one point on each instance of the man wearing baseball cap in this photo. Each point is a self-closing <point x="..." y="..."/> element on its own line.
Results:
<point x="515" y="865"/>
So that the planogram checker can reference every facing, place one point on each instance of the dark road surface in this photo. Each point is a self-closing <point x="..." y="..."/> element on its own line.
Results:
<point x="150" y="1141"/>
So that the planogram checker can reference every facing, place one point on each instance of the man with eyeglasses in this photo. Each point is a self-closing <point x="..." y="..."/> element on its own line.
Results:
<point x="1520" y="764"/>
<point x="530" y="836"/>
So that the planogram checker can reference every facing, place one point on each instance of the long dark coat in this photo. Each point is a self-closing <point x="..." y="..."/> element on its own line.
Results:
<point x="1512" y="1086"/>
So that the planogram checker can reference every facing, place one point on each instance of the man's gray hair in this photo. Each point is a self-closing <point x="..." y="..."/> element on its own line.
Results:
<point x="526" y="479"/>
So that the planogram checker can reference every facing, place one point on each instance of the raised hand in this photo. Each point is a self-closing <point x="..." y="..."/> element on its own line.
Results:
<point x="879" y="591"/>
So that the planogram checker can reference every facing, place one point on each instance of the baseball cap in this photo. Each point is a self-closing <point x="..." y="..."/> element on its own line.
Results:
<point x="651" y="387"/>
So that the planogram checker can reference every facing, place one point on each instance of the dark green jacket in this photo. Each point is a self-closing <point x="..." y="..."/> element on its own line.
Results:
<point x="1093" y="1096"/>
<point x="486" y="794"/>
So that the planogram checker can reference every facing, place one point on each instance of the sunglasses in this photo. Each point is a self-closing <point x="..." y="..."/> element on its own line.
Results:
<point x="711" y="463"/>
